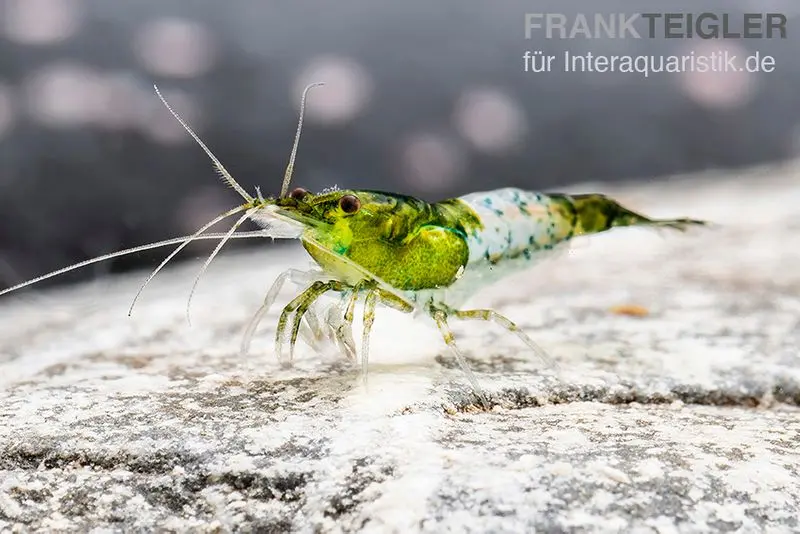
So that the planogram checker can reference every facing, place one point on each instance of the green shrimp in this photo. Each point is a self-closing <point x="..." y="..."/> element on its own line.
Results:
<point x="398" y="251"/>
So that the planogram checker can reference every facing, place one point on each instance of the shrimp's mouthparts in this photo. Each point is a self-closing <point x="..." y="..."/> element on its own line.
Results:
<point x="277" y="223"/>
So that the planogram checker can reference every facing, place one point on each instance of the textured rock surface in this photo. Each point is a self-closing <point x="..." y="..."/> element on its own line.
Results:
<point x="685" y="419"/>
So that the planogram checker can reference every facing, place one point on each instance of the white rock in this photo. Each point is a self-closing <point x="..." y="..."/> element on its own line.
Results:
<point x="680" y="421"/>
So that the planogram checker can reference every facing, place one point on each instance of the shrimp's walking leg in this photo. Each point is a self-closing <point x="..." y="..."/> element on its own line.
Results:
<point x="346" y="328"/>
<point x="327" y="323"/>
<point x="296" y="276"/>
<point x="298" y="306"/>
<point x="344" y="324"/>
<point x="493" y="316"/>
<point x="303" y="309"/>
<point x="374" y="295"/>
<point x="340" y="331"/>
<point x="440" y="316"/>
<point x="370" y="304"/>
<point x="311" y="330"/>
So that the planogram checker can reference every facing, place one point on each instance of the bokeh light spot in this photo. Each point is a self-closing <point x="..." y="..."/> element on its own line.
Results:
<point x="490" y="120"/>
<point x="346" y="92"/>
<point x="121" y="101"/>
<point x="41" y="22"/>
<point x="723" y="88"/>
<point x="175" y="47"/>
<point x="63" y="94"/>
<point x="432" y="162"/>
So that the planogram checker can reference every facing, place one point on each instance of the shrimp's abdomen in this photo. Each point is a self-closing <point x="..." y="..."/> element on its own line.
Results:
<point x="509" y="230"/>
<point x="517" y="223"/>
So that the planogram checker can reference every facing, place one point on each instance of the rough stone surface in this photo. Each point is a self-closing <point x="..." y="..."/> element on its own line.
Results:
<point x="685" y="419"/>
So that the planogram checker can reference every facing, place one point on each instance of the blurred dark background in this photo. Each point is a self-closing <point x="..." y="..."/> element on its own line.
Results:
<point x="424" y="98"/>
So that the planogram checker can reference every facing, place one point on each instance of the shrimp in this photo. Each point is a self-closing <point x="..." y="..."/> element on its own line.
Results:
<point x="395" y="250"/>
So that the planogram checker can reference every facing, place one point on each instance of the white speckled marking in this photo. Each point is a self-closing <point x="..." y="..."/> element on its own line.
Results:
<point x="514" y="221"/>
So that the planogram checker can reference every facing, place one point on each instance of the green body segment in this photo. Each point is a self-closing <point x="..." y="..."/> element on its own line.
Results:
<point x="408" y="243"/>
<point x="598" y="213"/>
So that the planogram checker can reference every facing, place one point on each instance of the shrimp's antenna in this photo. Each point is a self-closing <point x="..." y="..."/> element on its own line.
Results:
<point x="134" y="250"/>
<point x="287" y="176"/>
<point x="226" y="176"/>
<point x="175" y="252"/>
<point x="213" y="255"/>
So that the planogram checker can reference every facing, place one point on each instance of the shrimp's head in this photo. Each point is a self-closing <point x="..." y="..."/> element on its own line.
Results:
<point x="407" y="242"/>
<point x="340" y="218"/>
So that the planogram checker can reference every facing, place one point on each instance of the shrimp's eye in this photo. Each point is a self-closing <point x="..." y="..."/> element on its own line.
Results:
<point x="298" y="193"/>
<point x="349" y="204"/>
